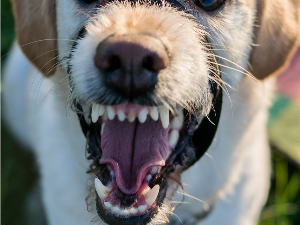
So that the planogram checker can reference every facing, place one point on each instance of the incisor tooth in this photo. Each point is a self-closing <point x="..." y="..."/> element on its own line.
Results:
<point x="94" y="113"/>
<point x="131" y="116"/>
<point x="142" y="208"/>
<point x="151" y="195"/>
<point x="121" y="115"/>
<point x="115" y="209"/>
<point x="143" y="115"/>
<point x="110" y="113"/>
<point x="164" y="116"/>
<point x="126" y="212"/>
<point x="101" y="190"/>
<point x="133" y="210"/>
<point x="154" y="113"/>
<point x="101" y="110"/>
<point x="173" y="138"/>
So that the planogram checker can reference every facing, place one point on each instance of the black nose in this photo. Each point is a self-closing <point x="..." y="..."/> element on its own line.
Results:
<point x="130" y="64"/>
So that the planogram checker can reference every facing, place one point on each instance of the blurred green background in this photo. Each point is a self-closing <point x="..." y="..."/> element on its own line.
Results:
<point x="19" y="174"/>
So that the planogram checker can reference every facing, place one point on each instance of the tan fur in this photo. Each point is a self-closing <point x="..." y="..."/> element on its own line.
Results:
<point x="170" y="27"/>
<point x="36" y="32"/>
<point x="276" y="37"/>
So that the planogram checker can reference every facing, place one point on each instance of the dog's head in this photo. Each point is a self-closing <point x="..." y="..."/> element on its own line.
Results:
<point x="145" y="80"/>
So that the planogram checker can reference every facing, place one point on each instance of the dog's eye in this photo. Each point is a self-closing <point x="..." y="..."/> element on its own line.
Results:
<point x="209" y="4"/>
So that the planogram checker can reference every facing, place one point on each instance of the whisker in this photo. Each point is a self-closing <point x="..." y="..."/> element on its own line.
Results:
<point x="192" y="197"/>
<point x="53" y="88"/>
<point x="243" y="70"/>
<point x="56" y="65"/>
<point x="179" y="202"/>
<point x="240" y="71"/>
<point x="224" y="48"/>
<point x="215" y="164"/>
<point x="45" y="54"/>
<point x="37" y="41"/>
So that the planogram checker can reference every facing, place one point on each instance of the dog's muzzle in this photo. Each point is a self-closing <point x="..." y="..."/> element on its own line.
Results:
<point x="135" y="148"/>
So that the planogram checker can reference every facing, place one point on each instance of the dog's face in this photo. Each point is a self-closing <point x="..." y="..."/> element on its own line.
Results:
<point x="141" y="76"/>
<point x="143" y="79"/>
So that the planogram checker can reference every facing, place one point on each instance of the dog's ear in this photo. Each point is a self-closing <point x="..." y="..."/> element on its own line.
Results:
<point x="36" y="32"/>
<point x="276" y="36"/>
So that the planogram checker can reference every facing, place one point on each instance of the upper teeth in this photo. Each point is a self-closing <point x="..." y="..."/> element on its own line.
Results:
<point x="164" y="116"/>
<point x="108" y="112"/>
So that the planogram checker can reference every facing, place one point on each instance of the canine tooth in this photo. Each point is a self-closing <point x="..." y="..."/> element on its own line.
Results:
<point x="177" y="122"/>
<point x="110" y="113"/>
<point x="121" y="115"/>
<point x="142" y="208"/>
<point x="164" y="116"/>
<point x="143" y="115"/>
<point x="107" y="205"/>
<point x="131" y="116"/>
<point x="115" y="209"/>
<point x="102" y="127"/>
<point x="152" y="195"/>
<point x="101" y="110"/>
<point x="101" y="190"/>
<point x="95" y="113"/>
<point x="173" y="138"/>
<point x="133" y="210"/>
<point x="154" y="113"/>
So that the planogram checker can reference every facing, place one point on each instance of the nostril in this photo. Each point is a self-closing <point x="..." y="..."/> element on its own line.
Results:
<point x="109" y="63"/>
<point x="148" y="64"/>
<point x="154" y="62"/>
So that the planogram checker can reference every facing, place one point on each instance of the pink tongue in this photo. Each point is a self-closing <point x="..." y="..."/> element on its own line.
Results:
<point x="132" y="148"/>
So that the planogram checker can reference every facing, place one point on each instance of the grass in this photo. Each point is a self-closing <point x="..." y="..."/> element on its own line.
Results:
<point x="19" y="174"/>
<point x="283" y="205"/>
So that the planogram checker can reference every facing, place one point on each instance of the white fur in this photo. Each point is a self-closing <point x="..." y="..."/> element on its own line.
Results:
<point x="233" y="175"/>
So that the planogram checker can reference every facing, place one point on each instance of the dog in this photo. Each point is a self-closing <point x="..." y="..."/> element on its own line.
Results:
<point x="148" y="112"/>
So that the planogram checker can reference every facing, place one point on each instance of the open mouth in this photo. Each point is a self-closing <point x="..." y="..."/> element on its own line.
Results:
<point x="132" y="148"/>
